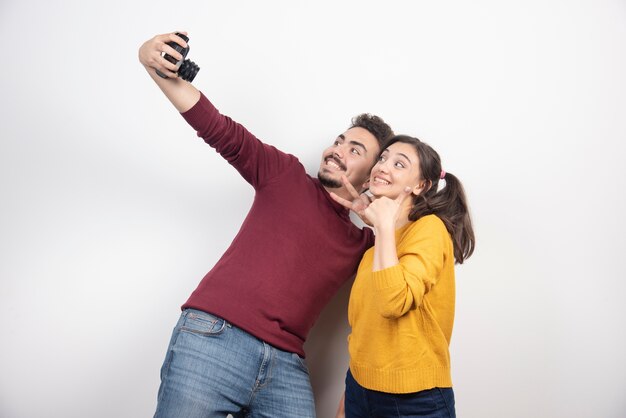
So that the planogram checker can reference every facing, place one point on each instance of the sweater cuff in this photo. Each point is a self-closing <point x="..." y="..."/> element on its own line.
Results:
<point x="389" y="277"/>
<point x="198" y="112"/>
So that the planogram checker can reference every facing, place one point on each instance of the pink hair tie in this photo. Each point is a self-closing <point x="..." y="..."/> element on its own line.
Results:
<point x="443" y="174"/>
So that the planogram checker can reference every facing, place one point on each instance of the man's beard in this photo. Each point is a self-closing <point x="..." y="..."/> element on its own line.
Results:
<point x="328" y="181"/>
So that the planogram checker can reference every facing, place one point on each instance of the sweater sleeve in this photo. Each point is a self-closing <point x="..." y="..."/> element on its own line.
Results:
<point x="255" y="161"/>
<point x="421" y="255"/>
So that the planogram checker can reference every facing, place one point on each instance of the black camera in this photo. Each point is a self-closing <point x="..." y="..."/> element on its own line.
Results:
<point x="187" y="69"/>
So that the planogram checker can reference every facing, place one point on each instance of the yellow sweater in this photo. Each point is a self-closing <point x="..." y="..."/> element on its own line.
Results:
<point x="402" y="316"/>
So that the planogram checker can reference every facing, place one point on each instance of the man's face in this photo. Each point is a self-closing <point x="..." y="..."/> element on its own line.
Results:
<point x="352" y="154"/>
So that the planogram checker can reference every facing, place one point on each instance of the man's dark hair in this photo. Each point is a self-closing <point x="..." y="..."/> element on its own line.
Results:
<point x="374" y="125"/>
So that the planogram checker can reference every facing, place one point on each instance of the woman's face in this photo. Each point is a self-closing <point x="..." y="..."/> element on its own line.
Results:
<point x="397" y="168"/>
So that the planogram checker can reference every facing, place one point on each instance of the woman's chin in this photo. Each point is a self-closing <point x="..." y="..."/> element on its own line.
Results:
<point x="386" y="193"/>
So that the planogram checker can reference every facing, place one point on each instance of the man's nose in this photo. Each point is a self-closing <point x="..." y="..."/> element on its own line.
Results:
<point x="339" y="150"/>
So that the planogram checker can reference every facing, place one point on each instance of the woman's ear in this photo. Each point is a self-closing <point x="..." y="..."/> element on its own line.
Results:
<point x="421" y="187"/>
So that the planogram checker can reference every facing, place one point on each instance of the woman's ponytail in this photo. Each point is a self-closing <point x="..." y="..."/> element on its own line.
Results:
<point x="450" y="205"/>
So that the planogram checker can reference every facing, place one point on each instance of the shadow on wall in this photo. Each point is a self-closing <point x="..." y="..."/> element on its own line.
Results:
<point x="327" y="353"/>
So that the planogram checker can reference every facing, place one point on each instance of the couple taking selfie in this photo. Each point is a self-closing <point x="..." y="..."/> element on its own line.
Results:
<point x="238" y="345"/>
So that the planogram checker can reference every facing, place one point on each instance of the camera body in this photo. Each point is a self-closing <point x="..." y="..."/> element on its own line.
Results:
<point x="187" y="69"/>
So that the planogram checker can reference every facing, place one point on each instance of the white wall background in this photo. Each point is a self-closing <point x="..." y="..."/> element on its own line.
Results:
<point x="112" y="210"/>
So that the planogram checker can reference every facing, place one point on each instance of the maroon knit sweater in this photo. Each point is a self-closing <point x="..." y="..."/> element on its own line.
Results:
<point x="294" y="250"/>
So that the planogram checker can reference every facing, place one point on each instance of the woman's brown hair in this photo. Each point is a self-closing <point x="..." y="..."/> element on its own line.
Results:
<point x="448" y="203"/>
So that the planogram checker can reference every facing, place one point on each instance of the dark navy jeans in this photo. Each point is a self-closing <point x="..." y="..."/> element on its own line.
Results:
<point x="431" y="403"/>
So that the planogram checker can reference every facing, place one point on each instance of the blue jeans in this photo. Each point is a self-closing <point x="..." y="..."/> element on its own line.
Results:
<point x="431" y="403"/>
<point x="213" y="368"/>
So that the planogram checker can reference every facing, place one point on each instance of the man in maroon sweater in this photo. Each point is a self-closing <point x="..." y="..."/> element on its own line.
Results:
<point x="237" y="347"/>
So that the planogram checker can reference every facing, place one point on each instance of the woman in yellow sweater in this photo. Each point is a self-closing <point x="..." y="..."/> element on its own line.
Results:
<point x="401" y="306"/>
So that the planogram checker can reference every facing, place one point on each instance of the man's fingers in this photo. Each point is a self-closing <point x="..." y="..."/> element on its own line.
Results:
<point x="341" y="200"/>
<point x="175" y="38"/>
<point x="349" y="187"/>
<point x="171" y="51"/>
<point x="164" y="71"/>
<point x="167" y="65"/>
<point x="361" y="203"/>
<point x="182" y="32"/>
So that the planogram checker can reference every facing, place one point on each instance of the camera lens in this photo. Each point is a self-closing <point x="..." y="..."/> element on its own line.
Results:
<point x="188" y="70"/>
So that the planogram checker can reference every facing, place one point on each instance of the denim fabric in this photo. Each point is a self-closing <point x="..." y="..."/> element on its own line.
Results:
<point x="431" y="403"/>
<point x="213" y="369"/>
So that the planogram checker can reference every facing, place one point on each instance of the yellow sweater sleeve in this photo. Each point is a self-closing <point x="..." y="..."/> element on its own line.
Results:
<point x="421" y="250"/>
